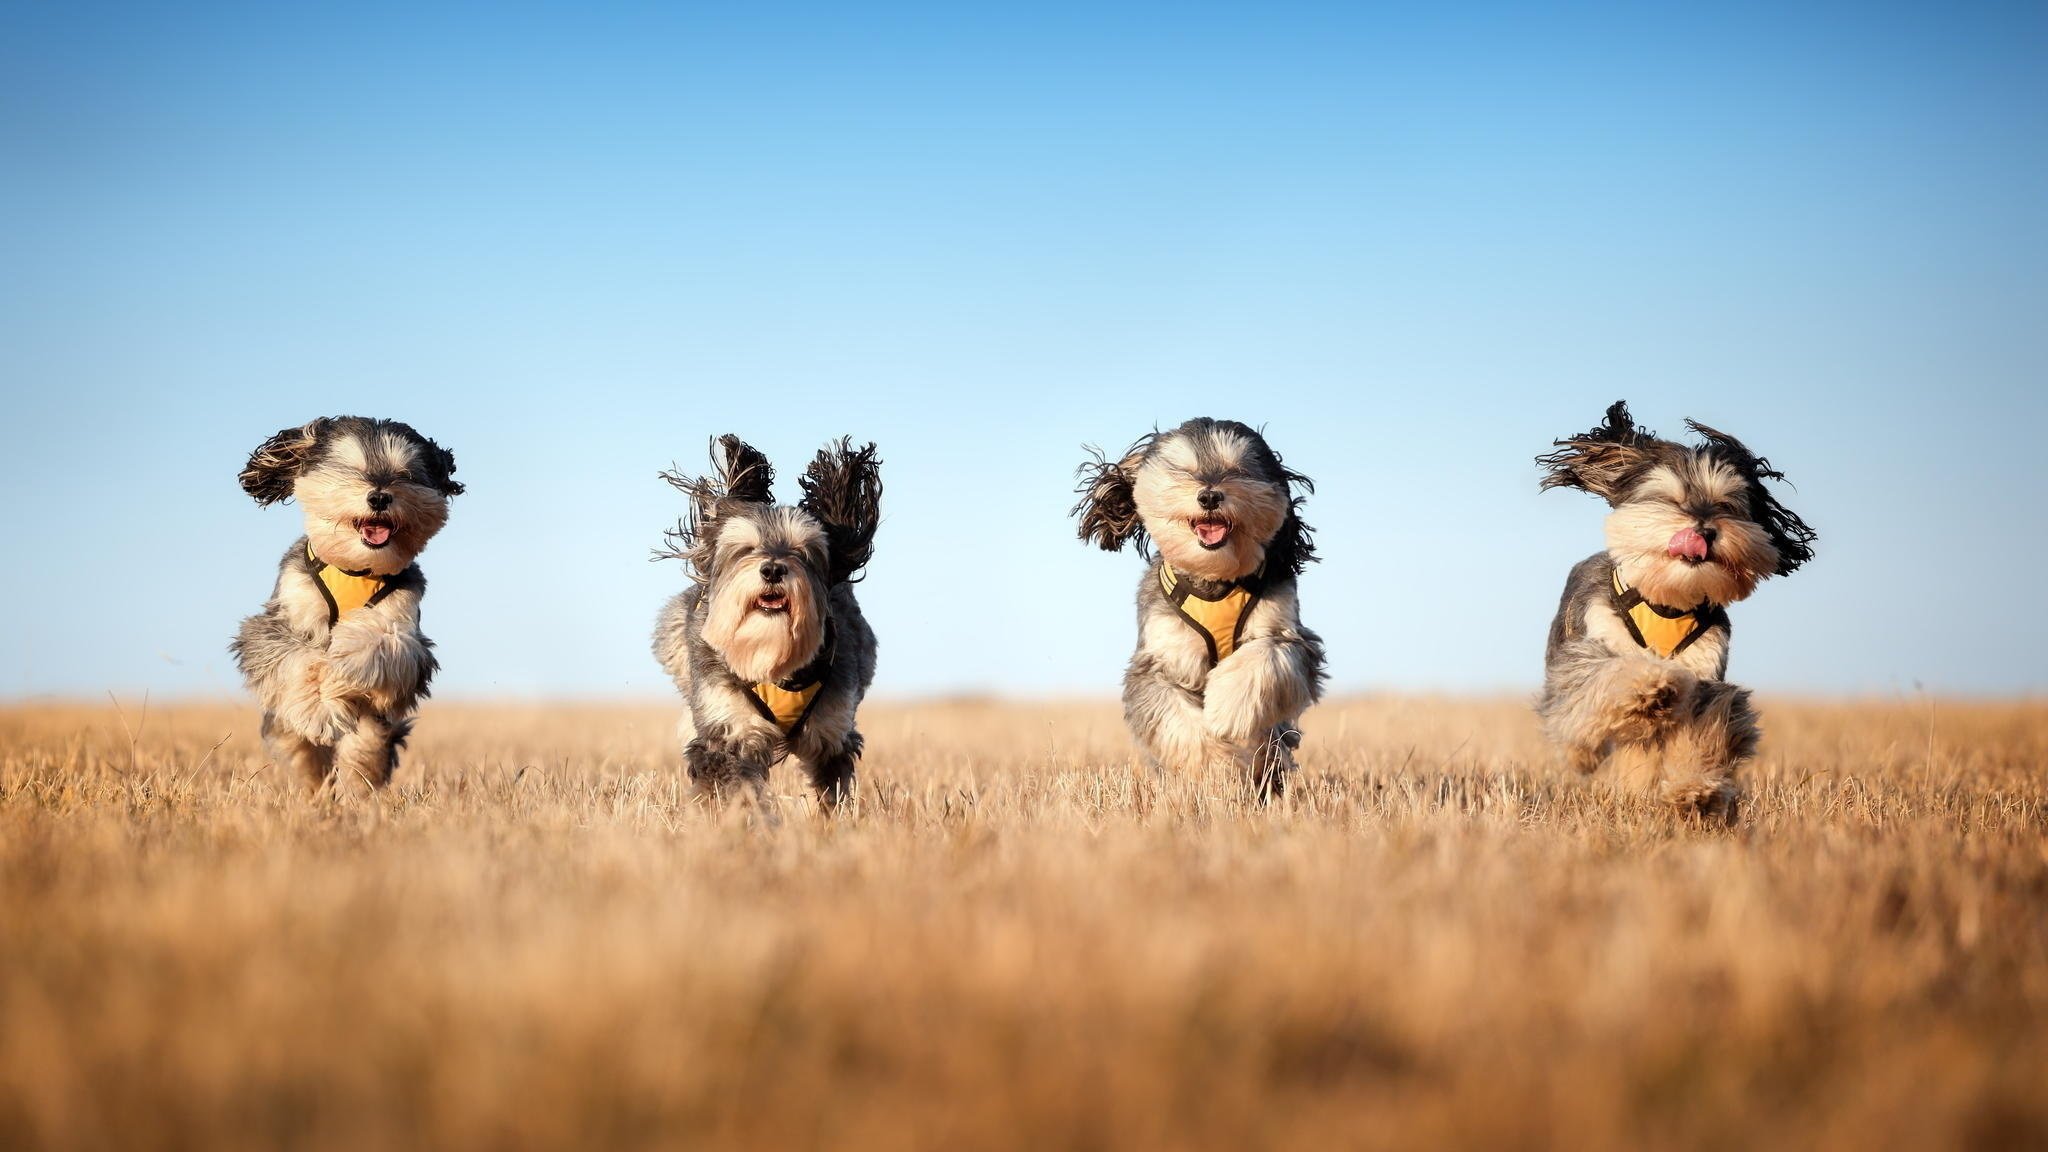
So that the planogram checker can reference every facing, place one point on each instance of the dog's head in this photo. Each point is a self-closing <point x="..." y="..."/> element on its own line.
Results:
<point x="1212" y="495"/>
<point x="1691" y="523"/>
<point x="373" y="491"/>
<point x="767" y="569"/>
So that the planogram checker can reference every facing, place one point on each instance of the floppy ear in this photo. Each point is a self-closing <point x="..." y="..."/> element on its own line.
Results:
<point x="843" y="491"/>
<point x="438" y="462"/>
<point x="1108" y="508"/>
<point x="741" y="474"/>
<point x="1293" y="547"/>
<point x="441" y="468"/>
<point x="1606" y="461"/>
<point x="1789" y="535"/>
<point x="275" y="463"/>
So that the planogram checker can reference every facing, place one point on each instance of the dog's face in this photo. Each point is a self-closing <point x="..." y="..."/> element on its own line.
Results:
<point x="768" y="570"/>
<point x="373" y="491"/>
<point x="765" y="597"/>
<point x="1212" y="495"/>
<point x="1691" y="524"/>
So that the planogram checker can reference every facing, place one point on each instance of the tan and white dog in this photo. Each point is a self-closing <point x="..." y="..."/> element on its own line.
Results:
<point x="336" y="657"/>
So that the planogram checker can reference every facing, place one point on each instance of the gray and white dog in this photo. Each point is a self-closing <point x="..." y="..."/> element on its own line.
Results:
<point x="1635" y="670"/>
<point x="336" y="656"/>
<point x="768" y="644"/>
<point x="1223" y="668"/>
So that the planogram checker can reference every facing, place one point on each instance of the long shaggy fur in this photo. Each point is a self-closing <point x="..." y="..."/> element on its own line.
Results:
<point x="771" y="602"/>
<point x="1692" y="529"/>
<point x="1189" y="709"/>
<point x="339" y="690"/>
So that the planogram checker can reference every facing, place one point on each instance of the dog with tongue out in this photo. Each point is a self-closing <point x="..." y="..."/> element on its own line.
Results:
<point x="1636" y="666"/>
<point x="336" y="657"/>
<point x="1224" y="667"/>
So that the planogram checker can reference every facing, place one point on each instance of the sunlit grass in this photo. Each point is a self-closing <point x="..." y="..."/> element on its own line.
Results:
<point x="1017" y="938"/>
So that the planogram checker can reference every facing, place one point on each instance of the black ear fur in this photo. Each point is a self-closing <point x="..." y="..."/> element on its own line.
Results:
<point x="444" y="461"/>
<point x="439" y="461"/>
<point x="1606" y="461"/>
<point x="843" y="491"/>
<point x="275" y="464"/>
<point x="740" y="473"/>
<point x="1789" y="534"/>
<point x="743" y="472"/>
<point x="1108" y="508"/>
<point x="1293" y="547"/>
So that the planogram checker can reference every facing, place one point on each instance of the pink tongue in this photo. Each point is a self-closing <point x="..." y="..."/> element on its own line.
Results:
<point x="1687" y="542"/>
<point x="1212" y="533"/>
<point x="376" y="534"/>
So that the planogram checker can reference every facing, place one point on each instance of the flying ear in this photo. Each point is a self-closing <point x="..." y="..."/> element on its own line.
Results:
<point x="275" y="463"/>
<point x="1606" y="461"/>
<point x="1293" y="547"/>
<point x="743" y="472"/>
<point x="1108" y="507"/>
<point x="438" y="462"/>
<point x="843" y="491"/>
<point x="740" y="474"/>
<point x="1789" y="535"/>
<point x="444" y="462"/>
<point x="441" y="468"/>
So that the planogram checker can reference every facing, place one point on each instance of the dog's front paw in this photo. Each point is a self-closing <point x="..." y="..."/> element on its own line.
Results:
<point x="1709" y="799"/>
<point x="332" y="720"/>
<point x="1232" y="714"/>
<point x="318" y="717"/>
<point x="1653" y="703"/>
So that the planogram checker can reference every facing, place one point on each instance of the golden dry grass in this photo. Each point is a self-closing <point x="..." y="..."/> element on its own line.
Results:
<point x="1018" y="941"/>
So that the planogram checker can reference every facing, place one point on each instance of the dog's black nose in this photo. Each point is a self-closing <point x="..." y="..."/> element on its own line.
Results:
<point x="773" y="571"/>
<point x="1210" y="499"/>
<point x="379" y="501"/>
<point x="1707" y="533"/>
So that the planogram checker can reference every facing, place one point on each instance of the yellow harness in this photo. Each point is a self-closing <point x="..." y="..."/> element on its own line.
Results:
<point x="787" y="704"/>
<point x="1220" y="621"/>
<point x="787" y="708"/>
<point x="343" y="590"/>
<point x="1661" y="630"/>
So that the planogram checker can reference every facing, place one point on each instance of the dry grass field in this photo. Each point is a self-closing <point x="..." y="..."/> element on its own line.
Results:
<point x="1017" y="940"/>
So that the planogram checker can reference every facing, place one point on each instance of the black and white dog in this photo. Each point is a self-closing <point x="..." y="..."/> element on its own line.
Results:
<point x="1223" y="668"/>
<point x="1634" y="672"/>
<point x="336" y="656"/>
<point x="768" y="644"/>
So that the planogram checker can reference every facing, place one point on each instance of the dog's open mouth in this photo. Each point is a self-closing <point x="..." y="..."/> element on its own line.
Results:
<point x="374" y="530"/>
<point x="1211" y="532"/>
<point x="772" y="600"/>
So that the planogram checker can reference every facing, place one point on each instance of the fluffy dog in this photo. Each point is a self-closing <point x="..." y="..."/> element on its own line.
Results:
<point x="768" y="644"/>
<point x="336" y="657"/>
<point x="1638" y="651"/>
<point x="1223" y="668"/>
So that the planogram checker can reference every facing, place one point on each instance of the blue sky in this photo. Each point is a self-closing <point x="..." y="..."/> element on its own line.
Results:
<point x="573" y="244"/>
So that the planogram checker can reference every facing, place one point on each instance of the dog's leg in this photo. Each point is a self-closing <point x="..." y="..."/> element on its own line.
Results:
<point x="1595" y="700"/>
<point x="723" y="769"/>
<point x="367" y="755"/>
<point x="1273" y="761"/>
<point x="1166" y="719"/>
<point x="1266" y="681"/>
<point x="295" y="754"/>
<point x="1702" y="755"/>
<point x="833" y="775"/>
<point x="300" y="699"/>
